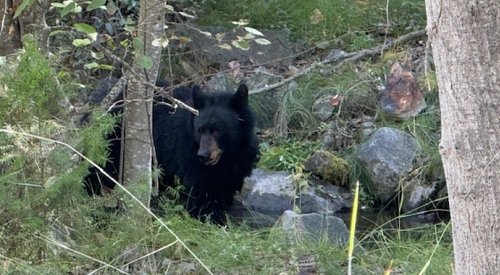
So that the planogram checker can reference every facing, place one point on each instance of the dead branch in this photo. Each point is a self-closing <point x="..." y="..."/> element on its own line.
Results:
<point x="175" y="102"/>
<point x="346" y="59"/>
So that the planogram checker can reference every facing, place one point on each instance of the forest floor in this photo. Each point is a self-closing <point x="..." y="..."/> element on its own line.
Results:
<point x="57" y="229"/>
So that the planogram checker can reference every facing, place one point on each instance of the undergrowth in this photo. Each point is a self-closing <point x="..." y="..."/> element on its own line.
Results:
<point x="351" y="25"/>
<point x="50" y="226"/>
<point x="35" y="244"/>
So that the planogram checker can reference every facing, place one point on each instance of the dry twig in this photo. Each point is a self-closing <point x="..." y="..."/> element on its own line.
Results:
<point x="346" y="59"/>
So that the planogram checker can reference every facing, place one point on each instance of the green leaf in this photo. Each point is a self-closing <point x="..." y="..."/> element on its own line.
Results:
<point x="129" y="28"/>
<point x="90" y="66"/>
<point x="241" y="22"/>
<point x="186" y="15"/>
<point x="86" y="28"/>
<point x="105" y="67"/>
<point x="129" y="21"/>
<point x="56" y="32"/>
<point x="138" y="44"/>
<point x="248" y="36"/>
<point x="242" y="44"/>
<point x="69" y="8"/>
<point x="22" y="7"/>
<point x="168" y="8"/>
<point x="219" y="36"/>
<point x="97" y="66"/>
<point x="95" y="4"/>
<point x="144" y="61"/>
<point x="111" y="7"/>
<point x="58" y="5"/>
<point x="28" y="38"/>
<point x="81" y="42"/>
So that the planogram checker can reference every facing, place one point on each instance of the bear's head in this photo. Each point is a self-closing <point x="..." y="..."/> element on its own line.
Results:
<point x="222" y="124"/>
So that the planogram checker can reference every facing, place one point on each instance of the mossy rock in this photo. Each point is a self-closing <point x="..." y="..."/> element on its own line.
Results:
<point x="329" y="167"/>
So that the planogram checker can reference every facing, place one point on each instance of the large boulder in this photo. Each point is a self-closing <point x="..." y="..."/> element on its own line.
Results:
<point x="211" y="46"/>
<point x="314" y="227"/>
<point x="266" y="195"/>
<point x="264" y="198"/>
<point x="388" y="155"/>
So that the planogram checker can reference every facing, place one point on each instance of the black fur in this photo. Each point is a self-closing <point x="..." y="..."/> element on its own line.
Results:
<point x="210" y="153"/>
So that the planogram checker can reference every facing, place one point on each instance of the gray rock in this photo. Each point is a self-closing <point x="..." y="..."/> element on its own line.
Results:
<point x="264" y="198"/>
<point x="388" y="155"/>
<point x="261" y="78"/>
<point x="314" y="227"/>
<point x="367" y="126"/>
<point x="207" y="53"/>
<point x="415" y="195"/>
<point x="324" y="198"/>
<point x="323" y="109"/>
<point x="269" y="193"/>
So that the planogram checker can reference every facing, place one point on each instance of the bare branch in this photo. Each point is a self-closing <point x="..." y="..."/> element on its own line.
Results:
<point x="348" y="58"/>
<point x="175" y="102"/>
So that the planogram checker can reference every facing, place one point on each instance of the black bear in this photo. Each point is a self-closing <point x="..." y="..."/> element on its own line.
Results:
<point x="210" y="153"/>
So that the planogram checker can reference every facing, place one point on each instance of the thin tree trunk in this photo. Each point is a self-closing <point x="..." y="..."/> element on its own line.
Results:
<point x="9" y="29"/>
<point x="138" y="108"/>
<point x="465" y="37"/>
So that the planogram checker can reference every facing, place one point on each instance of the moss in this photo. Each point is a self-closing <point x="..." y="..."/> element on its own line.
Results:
<point x="329" y="167"/>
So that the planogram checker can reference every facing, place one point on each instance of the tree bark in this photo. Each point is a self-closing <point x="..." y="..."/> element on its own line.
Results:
<point x="465" y="39"/>
<point x="138" y="107"/>
<point x="9" y="29"/>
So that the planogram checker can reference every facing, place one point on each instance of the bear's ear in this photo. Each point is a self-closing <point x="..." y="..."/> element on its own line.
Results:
<point x="198" y="98"/>
<point x="240" y="98"/>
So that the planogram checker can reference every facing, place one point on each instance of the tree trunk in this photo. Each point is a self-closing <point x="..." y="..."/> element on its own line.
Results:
<point x="9" y="29"/>
<point x="138" y="108"/>
<point x="465" y="39"/>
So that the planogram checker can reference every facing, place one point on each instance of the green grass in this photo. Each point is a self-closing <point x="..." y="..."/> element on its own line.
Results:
<point x="27" y="242"/>
<point x="28" y="213"/>
<point x="353" y="25"/>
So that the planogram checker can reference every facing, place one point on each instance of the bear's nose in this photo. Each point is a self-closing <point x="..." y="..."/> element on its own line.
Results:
<point x="203" y="157"/>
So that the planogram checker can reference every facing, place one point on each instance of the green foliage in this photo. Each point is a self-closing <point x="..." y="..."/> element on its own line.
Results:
<point x="28" y="208"/>
<point x="24" y="4"/>
<point x="33" y="90"/>
<point x="298" y="106"/>
<point x="93" y="137"/>
<point x="285" y="156"/>
<point x="352" y="24"/>
<point x="409" y="250"/>
<point x="32" y="103"/>
<point x="40" y="185"/>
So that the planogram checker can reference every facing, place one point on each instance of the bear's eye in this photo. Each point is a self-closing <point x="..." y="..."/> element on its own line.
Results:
<point x="209" y="131"/>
